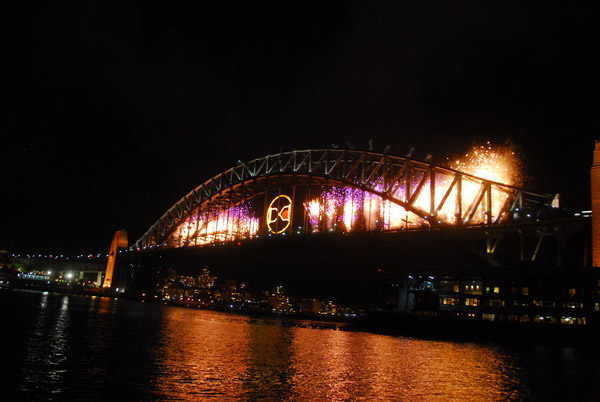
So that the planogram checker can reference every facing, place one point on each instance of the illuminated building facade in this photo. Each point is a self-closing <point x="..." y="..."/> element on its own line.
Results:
<point x="562" y="298"/>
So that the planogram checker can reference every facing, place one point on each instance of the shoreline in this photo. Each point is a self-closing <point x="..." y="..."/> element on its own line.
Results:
<point x="393" y="323"/>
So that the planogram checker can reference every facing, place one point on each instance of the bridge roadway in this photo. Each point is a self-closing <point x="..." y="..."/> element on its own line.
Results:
<point x="81" y="268"/>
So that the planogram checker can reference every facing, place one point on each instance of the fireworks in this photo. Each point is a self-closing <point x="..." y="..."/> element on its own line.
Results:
<point x="499" y="164"/>
<point x="219" y="226"/>
<point x="347" y="208"/>
<point x="421" y="198"/>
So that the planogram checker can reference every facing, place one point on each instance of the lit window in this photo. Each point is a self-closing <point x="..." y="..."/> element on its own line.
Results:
<point x="494" y="303"/>
<point x="544" y="319"/>
<point x="473" y="289"/>
<point x="573" y="320"/>
<point x="449" y="301"/>
<point x="471" y="301"/>
<point x="488" y="317"/>
<point x="544" y="303"/>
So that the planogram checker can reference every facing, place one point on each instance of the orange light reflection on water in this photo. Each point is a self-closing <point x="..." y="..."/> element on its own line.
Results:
<point x="221" y="357"/>
<point x="359" y="366"/>
<point x="202" y="356"/>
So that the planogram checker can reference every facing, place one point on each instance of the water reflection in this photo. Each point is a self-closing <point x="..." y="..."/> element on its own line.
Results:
<point x="44" y="366"/>
<point x="371" y="367"/>
<point x="85" y="348"/>
<point x="202" y="355"/>
<point x="270" y="369"/>
<point x="208" y="356"/>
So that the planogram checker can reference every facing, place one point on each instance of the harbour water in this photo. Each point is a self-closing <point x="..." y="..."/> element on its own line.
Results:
<point x="87" y="348"/>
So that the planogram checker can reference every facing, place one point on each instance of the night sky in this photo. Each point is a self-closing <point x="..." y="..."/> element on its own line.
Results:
<point x="115" y="110"/>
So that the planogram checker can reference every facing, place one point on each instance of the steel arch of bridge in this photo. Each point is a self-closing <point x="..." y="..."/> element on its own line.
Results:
<point x="398" y="180"/>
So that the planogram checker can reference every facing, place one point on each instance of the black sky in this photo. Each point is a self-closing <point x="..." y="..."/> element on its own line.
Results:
<point x="115" y="110"/>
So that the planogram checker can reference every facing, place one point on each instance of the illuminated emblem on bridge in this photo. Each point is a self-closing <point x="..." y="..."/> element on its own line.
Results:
<point x="279" y="214"/>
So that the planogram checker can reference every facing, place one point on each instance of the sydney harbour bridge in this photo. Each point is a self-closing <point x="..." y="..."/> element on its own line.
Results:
<point x="341" y="191"/>
<point x="328" y="222"/>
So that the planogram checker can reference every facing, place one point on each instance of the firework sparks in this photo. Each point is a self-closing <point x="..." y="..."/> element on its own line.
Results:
<point x="499" y="164"/>
<point x="409" y="205"/>
<point x="349" y="208"/>
<point x="224" y="225"/>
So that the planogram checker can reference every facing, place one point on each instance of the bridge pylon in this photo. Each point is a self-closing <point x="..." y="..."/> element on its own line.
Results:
<point x="119" y="241"/>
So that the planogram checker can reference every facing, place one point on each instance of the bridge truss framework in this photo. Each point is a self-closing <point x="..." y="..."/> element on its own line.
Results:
<point x="428" y="196"/>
